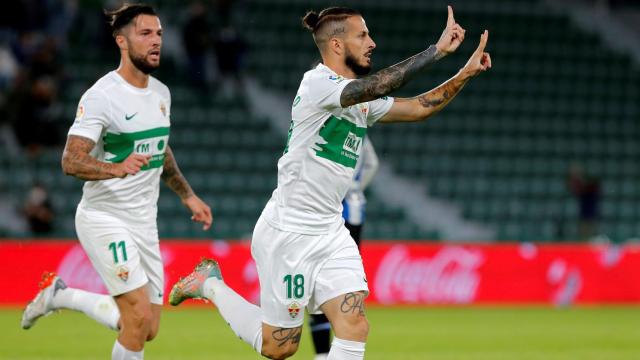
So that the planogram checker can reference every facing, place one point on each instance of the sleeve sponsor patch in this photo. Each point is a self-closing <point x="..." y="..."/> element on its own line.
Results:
<point x="336" y="78"/>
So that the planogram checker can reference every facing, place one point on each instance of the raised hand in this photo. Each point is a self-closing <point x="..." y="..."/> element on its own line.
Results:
<point x="479" y="61"/>
<point x="451" y="37"/>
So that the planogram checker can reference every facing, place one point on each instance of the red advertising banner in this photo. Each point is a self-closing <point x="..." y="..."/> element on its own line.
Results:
<point x="398" y="273"/>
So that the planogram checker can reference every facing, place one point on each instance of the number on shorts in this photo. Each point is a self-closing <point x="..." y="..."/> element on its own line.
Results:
<point x="295" y="288"/>
<point x="114" y="250"/>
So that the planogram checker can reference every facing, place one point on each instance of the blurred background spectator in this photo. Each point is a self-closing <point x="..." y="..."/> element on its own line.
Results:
<point x="38" y="211"/>
<point x="586" y="190"/>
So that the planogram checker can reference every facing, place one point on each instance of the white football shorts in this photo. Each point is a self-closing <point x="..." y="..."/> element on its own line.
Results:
<point x="125" y="254"/>
<point x="298" y="271"/>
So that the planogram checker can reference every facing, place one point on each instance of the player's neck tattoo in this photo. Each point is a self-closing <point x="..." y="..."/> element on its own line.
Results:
<point x="390" y="79"/>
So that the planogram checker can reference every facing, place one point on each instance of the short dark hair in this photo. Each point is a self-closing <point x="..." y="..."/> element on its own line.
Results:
<point x="313" y="21"/>
<point x="123" y="16"/>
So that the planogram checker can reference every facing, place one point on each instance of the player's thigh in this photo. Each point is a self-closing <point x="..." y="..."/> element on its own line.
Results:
<point x="148" y="244"/>
<point x="113" y="252"/>
<point x="347" y="316"/>
<point x="280" y="342"/>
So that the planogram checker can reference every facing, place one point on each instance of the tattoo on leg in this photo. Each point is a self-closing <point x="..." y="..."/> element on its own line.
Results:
<point x="353" y="302"/>
<point x="284" y="335"/>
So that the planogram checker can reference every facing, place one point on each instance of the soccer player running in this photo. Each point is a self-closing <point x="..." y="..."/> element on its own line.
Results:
<point x="353" y="213"/>
<point x="118" y="144"/>
<point x="304" y="255"/>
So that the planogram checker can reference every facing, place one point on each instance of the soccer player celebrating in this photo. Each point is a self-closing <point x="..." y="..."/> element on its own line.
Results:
<point x="304" y="255"/>
<point x="353" y="213"/>
<point x="119" y="145"/>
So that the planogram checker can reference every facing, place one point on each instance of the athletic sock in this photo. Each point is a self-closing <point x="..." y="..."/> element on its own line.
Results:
<point x="244" y="318"/>
<point x="320" y="333"/>
<point x="101" y="308"/>
<point x="119" y="352"/>
<point x="346" y="350"/>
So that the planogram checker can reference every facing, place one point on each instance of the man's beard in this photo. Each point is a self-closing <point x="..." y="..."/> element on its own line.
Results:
<point x="352" y="63"/>
<point x="142" y="64"/>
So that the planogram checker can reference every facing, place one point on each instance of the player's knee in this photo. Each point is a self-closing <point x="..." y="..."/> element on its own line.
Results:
<point x="354" y="328"/>
<point x="279" y="352"/>
<point x="153" y="332"/>
<point x="140" y="320"/>
<point x="359" y="327"/>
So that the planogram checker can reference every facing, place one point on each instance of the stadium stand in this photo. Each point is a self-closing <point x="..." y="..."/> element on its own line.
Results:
<point x="556" y="96"/>
<point x="501" y="151"/>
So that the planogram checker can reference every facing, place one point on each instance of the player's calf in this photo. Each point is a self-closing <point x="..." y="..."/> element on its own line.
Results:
<point x="280" y="343"/>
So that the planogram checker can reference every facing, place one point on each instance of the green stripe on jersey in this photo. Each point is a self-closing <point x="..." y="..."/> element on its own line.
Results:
<point x="343" y="140"/>
<point x="152" y="142"/>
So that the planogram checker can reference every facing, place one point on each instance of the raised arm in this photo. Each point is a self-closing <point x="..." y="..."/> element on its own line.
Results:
<point x="77" y="162"/>
<point x="425" y="105"/>
<point x="394" y="77"/>
<point x="174" y="179"/>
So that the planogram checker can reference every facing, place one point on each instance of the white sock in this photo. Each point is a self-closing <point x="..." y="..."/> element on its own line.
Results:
<point x="321" y="357"/>
<point x="101" y="308"/>
<point x="244" y="318"/>
<point x="119" y="352"/>
<point x="346" y="350"/>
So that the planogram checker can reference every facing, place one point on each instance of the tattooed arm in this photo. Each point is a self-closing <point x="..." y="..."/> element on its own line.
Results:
<point x="394" y="77"/>
<point x="387" y="80"/>
<point x="77" y="162"/>
<point x="423" y="106"/>
<point x="174" y="179"/>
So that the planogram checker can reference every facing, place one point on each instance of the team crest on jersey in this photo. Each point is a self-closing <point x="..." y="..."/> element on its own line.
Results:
<point x="80" y="112"/>
<point x="123" y="273"/>
<point x="163" y="108"/>
<point x="294" y="309"/>
<point x="363" y="107"/>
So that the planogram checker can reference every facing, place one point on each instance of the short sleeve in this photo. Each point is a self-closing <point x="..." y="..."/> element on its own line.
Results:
<point x="325" y="90"/>
<point x="91" y="116"/>
<point x="378" y="108"/>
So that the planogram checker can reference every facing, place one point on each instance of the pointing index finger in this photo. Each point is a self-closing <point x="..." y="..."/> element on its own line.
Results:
<point x="450" y="20"/>
<point x="483" y="41"/>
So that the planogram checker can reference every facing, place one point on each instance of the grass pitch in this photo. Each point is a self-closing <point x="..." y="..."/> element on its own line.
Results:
<point x="449" y="333"/>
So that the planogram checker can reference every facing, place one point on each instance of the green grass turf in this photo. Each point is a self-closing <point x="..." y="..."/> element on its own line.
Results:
<point x="594" y="333"/>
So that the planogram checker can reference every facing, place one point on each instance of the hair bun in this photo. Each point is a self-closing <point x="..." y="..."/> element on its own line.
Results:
<point x="310" y="20"/>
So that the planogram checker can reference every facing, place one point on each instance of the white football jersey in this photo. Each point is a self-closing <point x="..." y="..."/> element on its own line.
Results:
<point x="322" y="150"/>
<point x="122" y="119"/>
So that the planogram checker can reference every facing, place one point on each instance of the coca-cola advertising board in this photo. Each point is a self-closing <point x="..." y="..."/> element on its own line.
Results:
<point x="398" y="272"/>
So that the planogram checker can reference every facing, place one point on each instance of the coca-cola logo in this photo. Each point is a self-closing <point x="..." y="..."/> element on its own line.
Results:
<point x="77" y="271"/>
<point x="450" y="276"/>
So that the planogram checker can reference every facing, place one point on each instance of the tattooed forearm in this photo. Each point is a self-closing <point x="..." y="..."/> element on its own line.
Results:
<point x="387" y="80"/>
<point x="173" y="177"/>
<point x="353" y="303"/>
<point x="77" y="162"/>
<point x="436" y="99"/>
<point x="433" y="100"/>
<point x="284" y="335"/>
